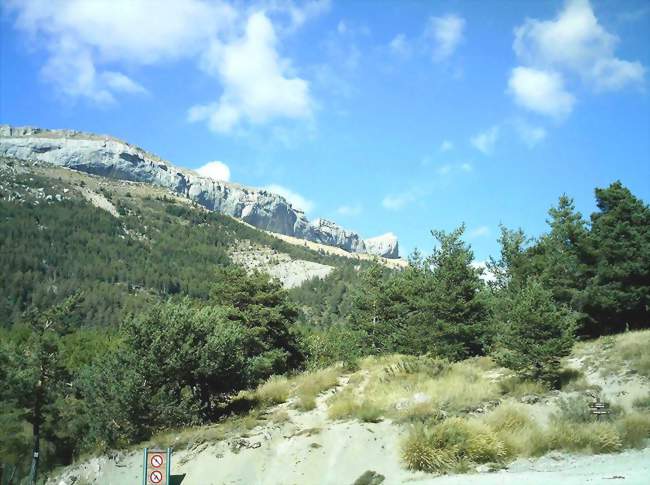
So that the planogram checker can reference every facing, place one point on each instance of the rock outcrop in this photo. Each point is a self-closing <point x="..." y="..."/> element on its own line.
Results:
<point x="109" y="157"/>
<point x="386" y="245"/>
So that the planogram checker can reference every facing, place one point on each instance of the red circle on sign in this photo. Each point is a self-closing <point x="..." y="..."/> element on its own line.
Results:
<point x="156" y="476"/>
<point x="156" y="460"/>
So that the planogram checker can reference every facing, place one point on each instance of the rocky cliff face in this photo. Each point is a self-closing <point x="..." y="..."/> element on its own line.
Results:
<point x="109" y="157"/>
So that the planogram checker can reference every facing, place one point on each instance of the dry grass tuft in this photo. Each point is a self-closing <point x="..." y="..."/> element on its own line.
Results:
<point x="274" y="391"/>
<point x="442" y="447"/>
<point x="517" y="387"/>
<point x="311" y="384"/>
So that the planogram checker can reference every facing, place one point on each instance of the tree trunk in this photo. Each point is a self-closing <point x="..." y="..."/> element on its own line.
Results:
<point x="36" y="427"/>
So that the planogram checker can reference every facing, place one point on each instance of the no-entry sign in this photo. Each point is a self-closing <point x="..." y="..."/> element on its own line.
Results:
<point x="156" y="466"/>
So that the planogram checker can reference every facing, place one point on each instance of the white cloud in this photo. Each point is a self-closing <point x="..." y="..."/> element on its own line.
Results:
<point x="257" y="86"/>
<point x="531" y="135"/>
<point x="486" y="140"/>
<point x="466" y="167"/>
<point x="575" y="41"/>
<point x="540" y="91"/>
<point x="294" y="198"/>
<point x="396" y="202"/>
<point x="400" y="46"/>
<point x="298" y="15"/>
<point x="447" y="33"/>
<point x="89" y="44"/>
<point x="350" y="210"/>
<point x="215" y="170"/>
<point x="80" y="36"/>
<point x="446" y="146"/>
<point x="479" y="231"/>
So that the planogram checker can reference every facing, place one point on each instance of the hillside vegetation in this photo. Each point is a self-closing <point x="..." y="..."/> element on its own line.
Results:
<point x="404" y="418"/>
<point x="124" y="316"/>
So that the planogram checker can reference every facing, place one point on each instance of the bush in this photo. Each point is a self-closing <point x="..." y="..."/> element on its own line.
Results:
<point x="534" y="333"/>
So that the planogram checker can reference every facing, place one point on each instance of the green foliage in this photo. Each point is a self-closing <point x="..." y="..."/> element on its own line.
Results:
<point x="435" y="306"/>
<point x="181" y="360"/>
<point x="601" y="270"/>
<point x="330" y="345"/>
<point x="534" y="334"/>
<point x="618" y="295"/>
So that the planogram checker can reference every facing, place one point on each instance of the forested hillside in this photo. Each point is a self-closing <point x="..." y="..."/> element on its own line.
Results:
<point x="125" y="316"/>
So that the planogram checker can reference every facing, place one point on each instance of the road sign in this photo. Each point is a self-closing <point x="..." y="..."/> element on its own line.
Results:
<point x="156" y="466"/>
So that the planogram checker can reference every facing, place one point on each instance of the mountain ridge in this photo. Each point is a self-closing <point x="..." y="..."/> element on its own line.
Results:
<point x="113" y="158"/>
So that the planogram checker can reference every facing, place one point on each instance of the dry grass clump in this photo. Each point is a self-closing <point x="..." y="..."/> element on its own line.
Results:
<point x="633" y="348"/>
<point x="509" y="417"/>
<point x="274" y="391"/>
<point x="642" y="403"/>
<point x="634" y="430"/>
<point x="279" y="416"/>
<point x="342" y="405"/>
<point x="346" y="405"/>
<point x="311" y="384"/>
<point x="516" y="387"/>
<point x="368" y="412"/>
<point x="596" y="437"/>
<point x="613" y="354"/>
<point x="418" y="412"/>
<point x="517" y="429"/>
<point x="452" y="443"/>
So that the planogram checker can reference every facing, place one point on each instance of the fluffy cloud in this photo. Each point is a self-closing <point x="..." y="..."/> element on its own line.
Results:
<point x="575" y="41"/>
<point x="447" y="33"/>
<point x="235" y="44"/>
<point x="540" y="91"/>
<point x="486" y="140"/>
<point x="255" y="80"/>
<point x="81" y="35"/>
<point x="296" y="200"/>
<point x="215" y="170"/>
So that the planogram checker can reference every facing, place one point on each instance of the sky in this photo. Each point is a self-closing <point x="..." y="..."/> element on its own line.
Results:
<point x="384" y="116"/>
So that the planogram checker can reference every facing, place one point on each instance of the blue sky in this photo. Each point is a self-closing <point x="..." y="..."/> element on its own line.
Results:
<point x="383" y="116"/>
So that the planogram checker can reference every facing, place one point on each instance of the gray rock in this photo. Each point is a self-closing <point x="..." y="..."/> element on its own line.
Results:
<point x="109" y="157"/>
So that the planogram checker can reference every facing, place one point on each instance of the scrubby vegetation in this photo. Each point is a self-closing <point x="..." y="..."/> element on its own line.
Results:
<point x="116" y="331"/>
